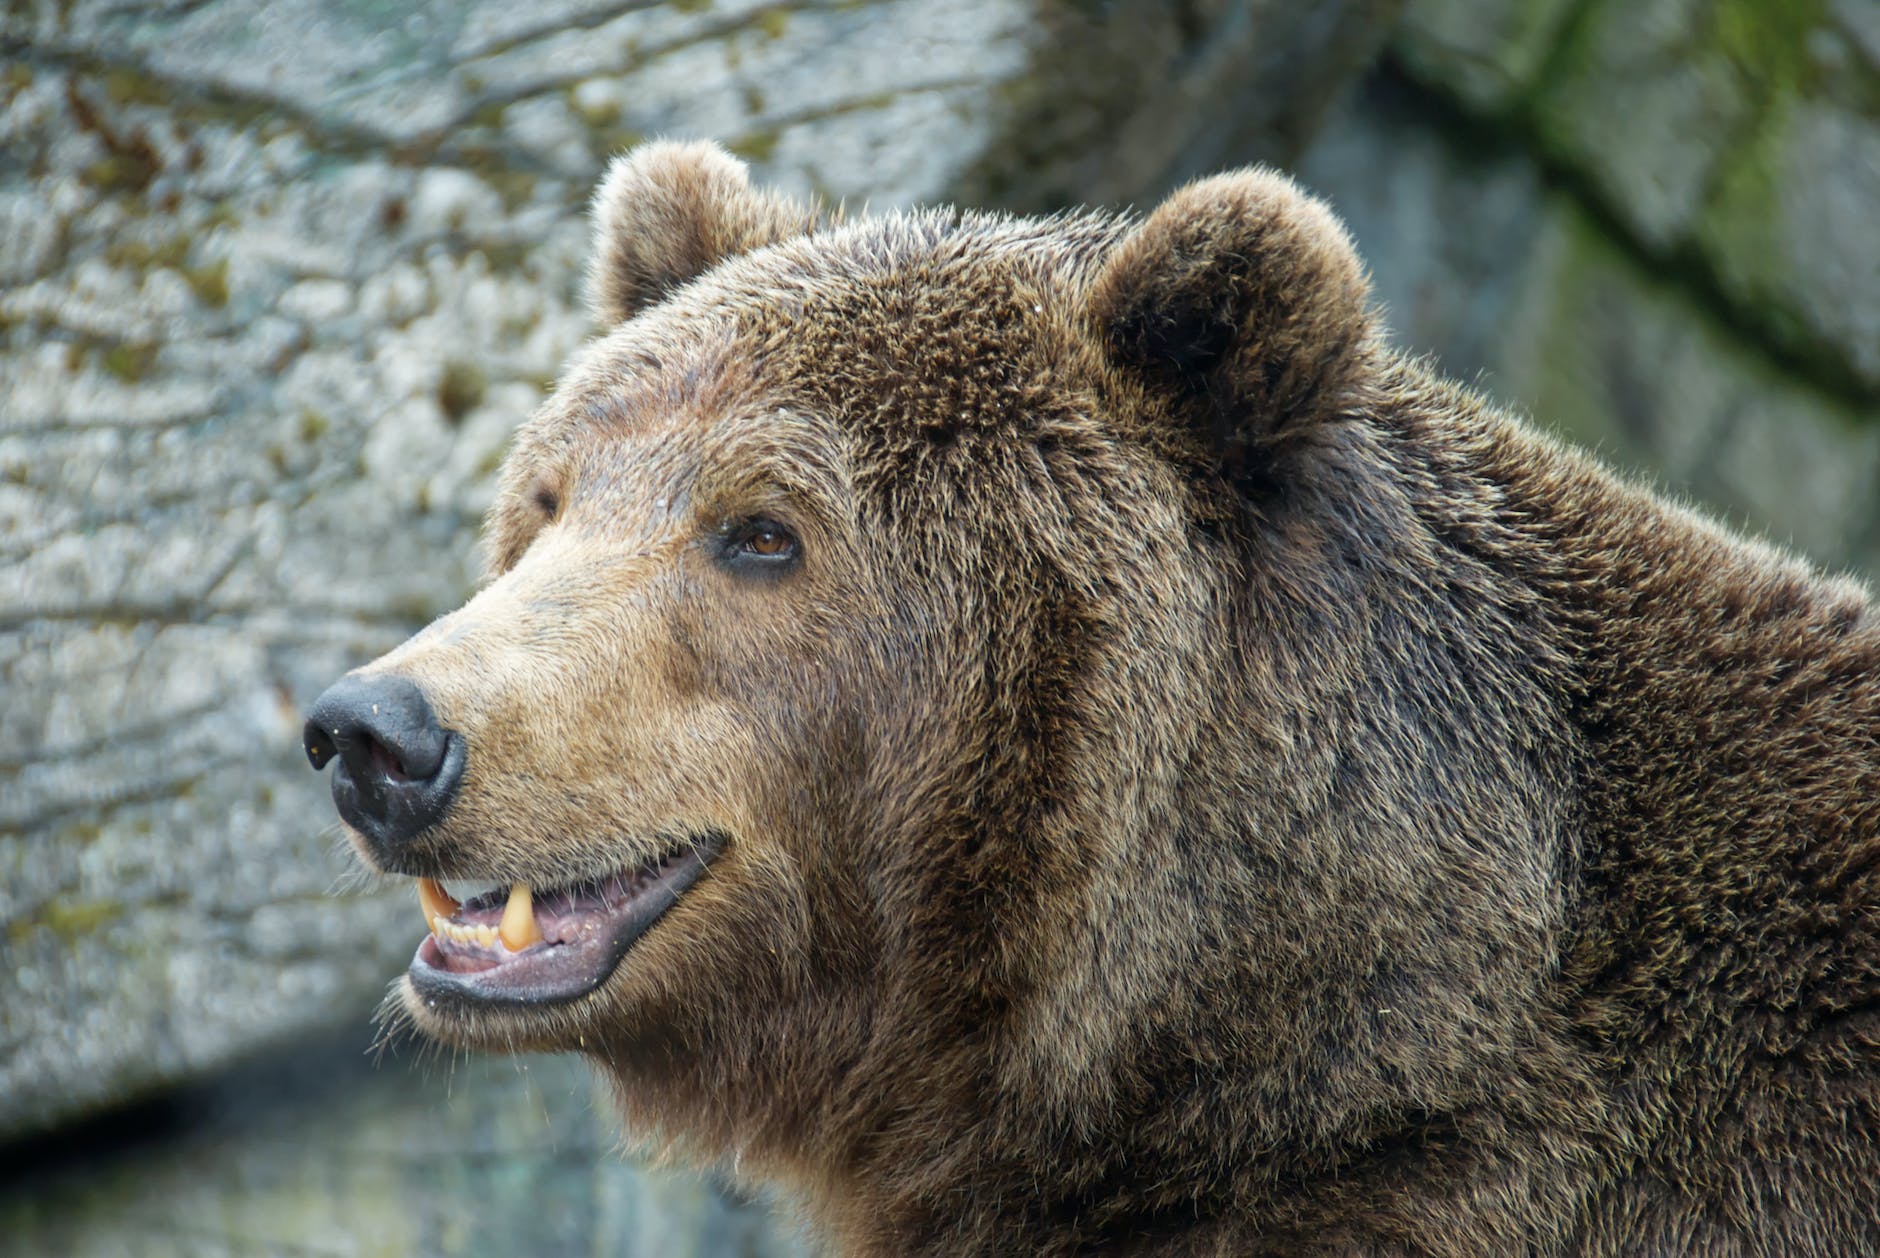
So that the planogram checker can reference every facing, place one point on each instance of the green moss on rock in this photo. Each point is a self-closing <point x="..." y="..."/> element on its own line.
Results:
<point x="130" y="361"/>
<point x="461" y="389"/>
<point x="756" y="146"/>
<point x="140" y="255"/>
<point x="209" y="282"/>
<point x="124" y="85"/>
<point x="1768" y="43"/>
<point x="70" y="920"/>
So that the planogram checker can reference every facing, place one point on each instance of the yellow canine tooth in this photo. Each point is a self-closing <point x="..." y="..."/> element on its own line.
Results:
<point x="436" y="903"/>
<point x="519" y="929"/>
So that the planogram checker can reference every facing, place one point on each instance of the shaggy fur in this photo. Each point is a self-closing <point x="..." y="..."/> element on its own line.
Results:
<point x="1208" y="786"/>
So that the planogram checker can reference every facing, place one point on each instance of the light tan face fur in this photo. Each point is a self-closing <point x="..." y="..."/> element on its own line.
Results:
<point x="622" y="683"/>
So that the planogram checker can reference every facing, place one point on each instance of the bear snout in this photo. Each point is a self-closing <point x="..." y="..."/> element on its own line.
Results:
<point x="398" y="768"/>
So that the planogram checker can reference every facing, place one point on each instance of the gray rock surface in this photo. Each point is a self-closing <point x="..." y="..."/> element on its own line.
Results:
<point x="1513" y="282"/>
<point x="1739" y="142"/>
<point x="1152" y="95"/>
<point x="279" y="280"/>
<point x="424" y="1159"/>
<point x="1486" y="52"/>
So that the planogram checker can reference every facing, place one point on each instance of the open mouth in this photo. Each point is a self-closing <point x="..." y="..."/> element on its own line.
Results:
<point x="522" y="946"/>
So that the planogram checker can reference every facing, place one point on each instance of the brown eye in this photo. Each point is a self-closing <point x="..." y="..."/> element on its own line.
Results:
<point x="769" y="541"/>
<point x="760" y="546"/>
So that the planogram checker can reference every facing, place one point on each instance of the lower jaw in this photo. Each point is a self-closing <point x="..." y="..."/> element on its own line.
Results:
<point x="558" y="973"/>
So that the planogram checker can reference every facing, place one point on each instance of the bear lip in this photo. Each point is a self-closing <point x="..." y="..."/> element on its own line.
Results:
<point x="587" y="929"/>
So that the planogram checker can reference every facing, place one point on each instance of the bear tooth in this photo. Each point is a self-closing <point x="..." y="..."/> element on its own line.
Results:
<point x="435" y="902"/>
<point x="519" y="928"/>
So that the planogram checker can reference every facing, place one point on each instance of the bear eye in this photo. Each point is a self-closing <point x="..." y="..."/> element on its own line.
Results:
<point x="769" y="541"/>
<point x="761" y="545"/>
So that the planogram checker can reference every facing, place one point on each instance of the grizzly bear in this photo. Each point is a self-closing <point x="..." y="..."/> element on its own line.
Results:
<point x="1050" y="736"/>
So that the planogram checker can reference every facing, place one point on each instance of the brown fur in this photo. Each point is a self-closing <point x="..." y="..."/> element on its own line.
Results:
<point x="1209" y="786"/>
<point x="670" y="213"/>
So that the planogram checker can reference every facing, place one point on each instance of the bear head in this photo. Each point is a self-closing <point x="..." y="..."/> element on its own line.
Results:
<point x="925" y="669"/>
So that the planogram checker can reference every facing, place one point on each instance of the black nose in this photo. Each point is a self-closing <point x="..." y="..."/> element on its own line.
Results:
<point x="398" y="770"/>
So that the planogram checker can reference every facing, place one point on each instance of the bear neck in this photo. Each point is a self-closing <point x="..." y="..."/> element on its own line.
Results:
<point x="1424" y="852"/>
<point x="1305" y="944"/>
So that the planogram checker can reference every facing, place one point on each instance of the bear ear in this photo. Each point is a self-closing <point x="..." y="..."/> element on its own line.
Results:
<point x="669" y="211"/>
<point x="1243" y="297"/>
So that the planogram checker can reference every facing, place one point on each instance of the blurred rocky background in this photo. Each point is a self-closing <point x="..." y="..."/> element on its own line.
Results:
<point x="278" y="279"/>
